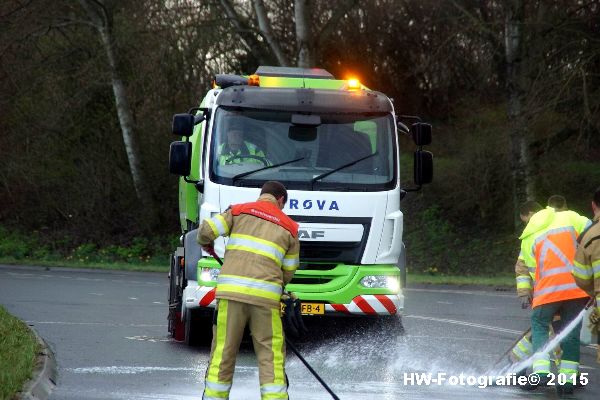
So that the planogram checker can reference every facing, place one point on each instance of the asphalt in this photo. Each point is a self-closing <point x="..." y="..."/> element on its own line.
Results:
<point x="109" y="335"/>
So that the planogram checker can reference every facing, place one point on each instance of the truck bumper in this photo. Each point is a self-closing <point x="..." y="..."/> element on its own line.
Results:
<point x="196" y="296"/>
<point x="338" y="286"/>
<point x="380" y="304"/>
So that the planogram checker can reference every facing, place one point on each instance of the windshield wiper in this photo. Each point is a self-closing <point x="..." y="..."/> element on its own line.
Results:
<point x="319" y="177"/>
<point x="243" y="174"/>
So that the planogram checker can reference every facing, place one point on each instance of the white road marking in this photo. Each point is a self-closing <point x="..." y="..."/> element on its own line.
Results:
<point x="128" y="370"/>
<point x="434" y="337"/>
<point x="473" y="292"/>
<point x="94" y="323"/>
<point x="24" y="275"/>
<point x="97" y="294"/>
<point x="474" y="325"/>
<point x="444" y="302"/>
<point x="465" y="323"/>
<point x="133" y="298"/>
<point x="144" y="338"/>
<point x="157" y="302"/>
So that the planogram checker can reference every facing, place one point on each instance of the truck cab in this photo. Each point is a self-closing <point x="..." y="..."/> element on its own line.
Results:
<point x="334" y="145"/>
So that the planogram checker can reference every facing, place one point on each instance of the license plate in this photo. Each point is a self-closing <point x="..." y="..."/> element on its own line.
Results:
<point x="309" y="308"/>
<point x="312" y="308"/>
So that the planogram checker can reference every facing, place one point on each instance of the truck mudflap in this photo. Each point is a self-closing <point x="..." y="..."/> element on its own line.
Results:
<point x="377" y="304"/>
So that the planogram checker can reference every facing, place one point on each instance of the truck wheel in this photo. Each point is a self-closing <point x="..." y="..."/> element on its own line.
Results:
<point x="198" y="328"/>
<point x="175" y="326"/>
<point x="191" y="328"/>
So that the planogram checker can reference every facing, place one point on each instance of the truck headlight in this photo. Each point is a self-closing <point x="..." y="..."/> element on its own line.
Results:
<point x="381" y="282"/>
<point x="209" y="274"/>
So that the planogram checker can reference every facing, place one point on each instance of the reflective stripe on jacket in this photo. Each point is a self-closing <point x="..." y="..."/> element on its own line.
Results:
<point x="261" y="255"/>
<point x="548" y="244"/>
<point x="226" y="156"/>
<point x="587" y="262"/>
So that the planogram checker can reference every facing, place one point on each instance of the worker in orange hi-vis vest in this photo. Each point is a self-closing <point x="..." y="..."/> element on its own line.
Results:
<point x="261" y="257"/>
<point x="548" y="246"/>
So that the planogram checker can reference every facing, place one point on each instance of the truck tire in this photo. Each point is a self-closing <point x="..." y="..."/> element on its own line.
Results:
<point x="175" y="325"/>
<point x="198" y="328"/>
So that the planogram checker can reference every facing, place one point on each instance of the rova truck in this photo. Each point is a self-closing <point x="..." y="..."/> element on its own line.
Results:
<point x="334" y="145"/>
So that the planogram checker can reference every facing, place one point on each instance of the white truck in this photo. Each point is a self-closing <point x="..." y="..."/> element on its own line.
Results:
<point x="334" y="144"/>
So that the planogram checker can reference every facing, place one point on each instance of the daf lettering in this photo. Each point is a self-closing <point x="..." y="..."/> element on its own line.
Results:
<point x="295" y="204"/>
<point x="306" y="234"/>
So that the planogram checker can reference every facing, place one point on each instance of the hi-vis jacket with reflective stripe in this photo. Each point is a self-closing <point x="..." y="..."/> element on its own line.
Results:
<point x="548" y="246"/>
<point x="262" y="252"/>
<point x="227" y="156"/>
<point x="587" y="261"/>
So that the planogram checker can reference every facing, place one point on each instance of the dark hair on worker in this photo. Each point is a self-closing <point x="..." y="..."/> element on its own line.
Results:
<point x="276" y="189"/>
<point x="529" y="206"/>
<point x="558" y="202"/>
<point x="597" y="196"/>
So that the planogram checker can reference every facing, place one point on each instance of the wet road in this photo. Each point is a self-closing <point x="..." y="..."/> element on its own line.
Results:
<point x="108" y="331"/>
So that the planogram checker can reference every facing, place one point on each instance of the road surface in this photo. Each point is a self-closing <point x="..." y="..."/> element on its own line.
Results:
<point x="108" y="331"/>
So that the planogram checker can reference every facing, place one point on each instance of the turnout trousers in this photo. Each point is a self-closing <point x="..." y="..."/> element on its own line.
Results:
<point x="541" y="318"/>
<point x="269" y="345"/>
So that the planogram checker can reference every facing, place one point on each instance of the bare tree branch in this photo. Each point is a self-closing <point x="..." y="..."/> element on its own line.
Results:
<point x="265" y="30"/>
<point x="304" y="41"/>
<point x="244" y="32"/>
<point x="339" y="13"/>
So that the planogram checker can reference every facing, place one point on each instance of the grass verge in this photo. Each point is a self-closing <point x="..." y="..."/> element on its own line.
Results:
<point x="422" y="278"/>
<point x="112" y="266"/>
<point x="18" y="349"/>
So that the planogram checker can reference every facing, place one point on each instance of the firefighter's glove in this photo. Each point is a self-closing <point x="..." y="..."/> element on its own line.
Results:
<point x="292" y="318"/>
<point x="525" y="301"/>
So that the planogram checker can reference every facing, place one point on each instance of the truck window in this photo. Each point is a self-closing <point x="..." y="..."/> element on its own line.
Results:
<point x="246" y="140"/>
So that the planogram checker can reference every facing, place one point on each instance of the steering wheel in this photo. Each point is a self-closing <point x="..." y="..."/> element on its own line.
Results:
<point x="264" y="160"/>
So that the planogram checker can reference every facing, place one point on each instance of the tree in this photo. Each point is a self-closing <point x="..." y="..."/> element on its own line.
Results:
<point x="100" y="16"/>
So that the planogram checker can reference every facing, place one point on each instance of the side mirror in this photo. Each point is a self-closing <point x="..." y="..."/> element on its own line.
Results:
<point x="421" y="133"/>
<point x="180" y="158"/>
<point x="423" y="165"/>
<point x="402" y="128"/>
<point x="183" y="125"/>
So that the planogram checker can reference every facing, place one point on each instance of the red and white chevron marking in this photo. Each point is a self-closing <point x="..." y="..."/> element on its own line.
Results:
<point x="206" y="294"/>
<point x="378" y="304"/>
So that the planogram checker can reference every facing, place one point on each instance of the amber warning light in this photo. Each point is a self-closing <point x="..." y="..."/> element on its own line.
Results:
<point x="353" y="84"/>
<point x="253" y="80"/>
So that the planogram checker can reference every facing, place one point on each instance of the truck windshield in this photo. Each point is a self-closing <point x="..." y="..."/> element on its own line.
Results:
<point x="250" y="146"/>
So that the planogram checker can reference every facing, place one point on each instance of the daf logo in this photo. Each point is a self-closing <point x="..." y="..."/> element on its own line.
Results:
<point x="307" y="234"/>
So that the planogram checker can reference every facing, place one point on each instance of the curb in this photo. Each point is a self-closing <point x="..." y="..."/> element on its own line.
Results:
<point x="44" y="374"/>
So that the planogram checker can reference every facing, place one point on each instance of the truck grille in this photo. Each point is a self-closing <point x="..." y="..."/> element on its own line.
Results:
<point x="340" y="252"/>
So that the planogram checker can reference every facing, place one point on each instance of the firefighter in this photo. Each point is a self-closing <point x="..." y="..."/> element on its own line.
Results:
<point x="261" y="257"/>
<point x="548" y="246"/>
<point x="587" y="263"/>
